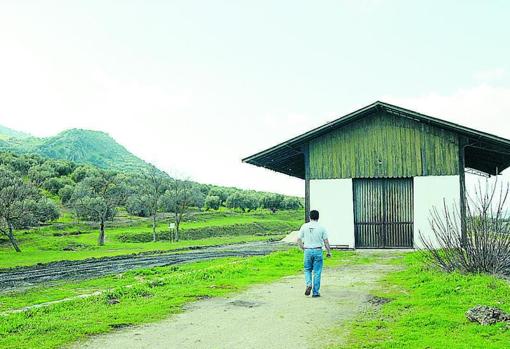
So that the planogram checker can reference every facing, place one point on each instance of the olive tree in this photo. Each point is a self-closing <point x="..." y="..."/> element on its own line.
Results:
<point x="221" y="193"/>
<point x="178" y="199"/>
<point x="40" y="173"/>
<point x="21" y="206"/>
<point x="272" y="202"/>
<point x="84" y="171"/>
<point x="54" y="184"/>
<point x="243" y="201"/>
<point x="212" y="202"/>
<point x="291" y="203"/>
<point x="153" y="186"/>
<point x="97" y="198"/>
<point x="66" y="194"/>
<point x="138" y="205"/>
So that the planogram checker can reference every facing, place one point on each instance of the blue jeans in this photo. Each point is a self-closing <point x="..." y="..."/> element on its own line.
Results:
<point x="313" y="262"/>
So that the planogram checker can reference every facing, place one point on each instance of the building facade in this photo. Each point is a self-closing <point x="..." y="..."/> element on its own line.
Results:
<point x="376" y="174"/>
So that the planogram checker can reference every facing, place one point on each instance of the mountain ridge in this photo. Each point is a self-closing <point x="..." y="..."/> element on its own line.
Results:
<point x="7" y="132"/>
<point x="82" y="146"/>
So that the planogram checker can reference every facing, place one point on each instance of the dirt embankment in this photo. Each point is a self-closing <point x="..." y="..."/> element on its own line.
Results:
<point x="14" y="278"/>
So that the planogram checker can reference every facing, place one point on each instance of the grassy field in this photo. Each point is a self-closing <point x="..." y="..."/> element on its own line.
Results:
<point x="427" y="307"/>
<point x="68" y="240"/>
<point x="136" y="297"/>
<point x="428" y="311"/>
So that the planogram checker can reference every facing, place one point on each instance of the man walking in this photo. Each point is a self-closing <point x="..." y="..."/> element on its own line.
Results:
<point x="312" y="236"/>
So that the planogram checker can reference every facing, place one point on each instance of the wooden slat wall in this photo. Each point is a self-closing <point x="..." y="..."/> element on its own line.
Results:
<point x="384" y="146"/>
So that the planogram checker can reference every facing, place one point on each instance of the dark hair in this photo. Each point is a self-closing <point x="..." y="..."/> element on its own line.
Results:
<point x="314" y="215"/>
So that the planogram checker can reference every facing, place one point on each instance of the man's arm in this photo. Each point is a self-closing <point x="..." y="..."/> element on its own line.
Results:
<point x="301" y="236"/>
<point x="328" y="248"/>
<point x="300" y="244"/>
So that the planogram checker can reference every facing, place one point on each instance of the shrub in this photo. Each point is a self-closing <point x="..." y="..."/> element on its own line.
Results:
<point x="485" y="247"/>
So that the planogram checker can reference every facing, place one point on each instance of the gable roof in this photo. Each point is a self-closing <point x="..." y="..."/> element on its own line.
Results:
<point x="484" y="152"/>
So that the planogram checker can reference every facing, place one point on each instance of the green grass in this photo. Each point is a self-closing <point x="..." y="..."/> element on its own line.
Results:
<point x="68" y="240"/>
<point x="143" y="296"/>
<point x="428" y="311"/>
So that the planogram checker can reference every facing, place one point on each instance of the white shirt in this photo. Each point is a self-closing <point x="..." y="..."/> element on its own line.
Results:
<point x="312" y="234"/>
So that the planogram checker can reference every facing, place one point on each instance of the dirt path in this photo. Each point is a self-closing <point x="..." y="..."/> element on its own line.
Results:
<point x="276" y="315"/>
<point x="23" y="277"/>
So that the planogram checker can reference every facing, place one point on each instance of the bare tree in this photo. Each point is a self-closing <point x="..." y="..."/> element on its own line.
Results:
<point x="486" y="245"/>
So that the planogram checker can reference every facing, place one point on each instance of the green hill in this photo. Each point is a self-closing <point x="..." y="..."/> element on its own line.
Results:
<point x="81" y="146"/>
<point x="6" y="133"/>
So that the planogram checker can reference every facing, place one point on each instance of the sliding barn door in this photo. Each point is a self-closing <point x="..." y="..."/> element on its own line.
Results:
<point x="383" y="213"/>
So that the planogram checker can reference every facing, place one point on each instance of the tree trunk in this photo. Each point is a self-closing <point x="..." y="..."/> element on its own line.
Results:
<point x="154" y="228"/>
<point x="177" y="221"/>
<point x="101" y="234"/>
<point x="12" y="239"/>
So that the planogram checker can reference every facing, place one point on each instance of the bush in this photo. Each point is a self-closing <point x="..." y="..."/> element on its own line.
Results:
<point x="485" y="247"/>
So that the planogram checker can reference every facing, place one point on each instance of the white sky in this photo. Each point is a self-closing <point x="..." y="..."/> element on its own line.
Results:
<point x="194" y="86"/>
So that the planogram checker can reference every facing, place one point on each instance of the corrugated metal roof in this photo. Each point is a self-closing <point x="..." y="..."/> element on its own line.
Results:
<point x="486" y="152"/>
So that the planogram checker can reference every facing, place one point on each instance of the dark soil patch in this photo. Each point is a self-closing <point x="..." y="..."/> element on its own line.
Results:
<point x="244" y="304"/>
<point x="485" y="315"/>
<point x="121" y="325"/>
<point x="378" y="301"/>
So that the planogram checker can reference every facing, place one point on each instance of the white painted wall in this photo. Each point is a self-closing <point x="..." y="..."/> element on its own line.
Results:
<point x="430" y="192"/>
<point x="333" y="199"/>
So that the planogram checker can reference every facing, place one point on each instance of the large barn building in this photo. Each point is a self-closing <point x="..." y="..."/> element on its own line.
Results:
<point x="375" y="174"/>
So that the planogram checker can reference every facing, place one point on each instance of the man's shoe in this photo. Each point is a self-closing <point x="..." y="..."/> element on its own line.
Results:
<point x="308" y="290"/>
<point x="316" y="295"/>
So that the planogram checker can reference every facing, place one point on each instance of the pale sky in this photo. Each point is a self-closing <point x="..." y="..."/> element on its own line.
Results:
<point x="194" y="86"/>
